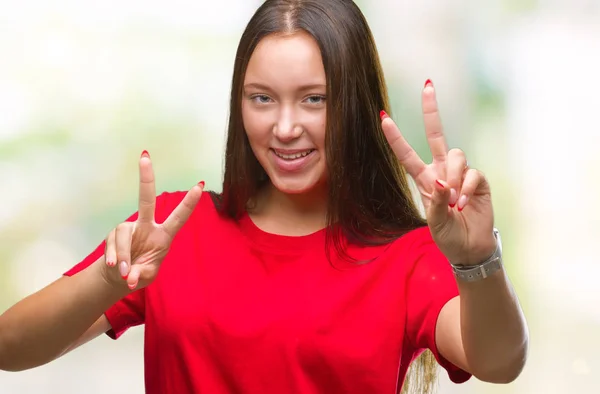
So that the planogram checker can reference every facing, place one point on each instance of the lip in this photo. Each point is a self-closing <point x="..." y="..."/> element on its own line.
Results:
<point x="290" y="151"/>
<point x="291" y="165"/>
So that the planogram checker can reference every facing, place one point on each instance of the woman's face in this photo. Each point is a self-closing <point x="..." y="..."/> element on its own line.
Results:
<point x="284" y="111"/>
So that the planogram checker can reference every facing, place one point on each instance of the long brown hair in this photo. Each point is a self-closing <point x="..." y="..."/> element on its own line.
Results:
<point x="369" y="202"/>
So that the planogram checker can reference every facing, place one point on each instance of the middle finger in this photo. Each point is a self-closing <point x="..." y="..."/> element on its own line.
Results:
<point x="407" y="156"/>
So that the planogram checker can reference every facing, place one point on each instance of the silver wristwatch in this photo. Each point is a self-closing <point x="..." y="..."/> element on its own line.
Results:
<point x="473" y="273"/>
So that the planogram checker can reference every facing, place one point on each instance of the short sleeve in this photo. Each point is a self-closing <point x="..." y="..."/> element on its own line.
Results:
<point x="127" y="312"/>
<point x="131" y="310"/>
<point x="431" y="285"/>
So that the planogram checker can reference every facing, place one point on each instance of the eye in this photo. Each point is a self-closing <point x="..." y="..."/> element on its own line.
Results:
<point x="316" y="99"/>
<point x="261" y="99"/>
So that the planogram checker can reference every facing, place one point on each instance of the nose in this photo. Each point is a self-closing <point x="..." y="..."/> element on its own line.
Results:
<point x="287" y="128"/>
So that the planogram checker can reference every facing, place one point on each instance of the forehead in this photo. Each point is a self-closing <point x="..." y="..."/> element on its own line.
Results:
<point x="286" y="59"/>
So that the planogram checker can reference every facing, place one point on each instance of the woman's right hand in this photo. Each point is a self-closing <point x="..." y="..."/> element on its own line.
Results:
<point x="135" y="250"/>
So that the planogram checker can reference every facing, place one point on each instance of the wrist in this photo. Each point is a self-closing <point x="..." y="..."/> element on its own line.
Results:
<point x="479" y="254"/>
<point x="484" y="267"/>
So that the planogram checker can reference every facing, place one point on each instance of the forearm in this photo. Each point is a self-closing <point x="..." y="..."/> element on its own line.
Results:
<point x="493" y="328"/>
<point x="43" y="326"/>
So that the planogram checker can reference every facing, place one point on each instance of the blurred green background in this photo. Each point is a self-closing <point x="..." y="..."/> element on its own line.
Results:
<point x="86" y="86"/>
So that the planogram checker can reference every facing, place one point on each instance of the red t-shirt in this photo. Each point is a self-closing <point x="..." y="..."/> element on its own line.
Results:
<point x="237" y="310"/>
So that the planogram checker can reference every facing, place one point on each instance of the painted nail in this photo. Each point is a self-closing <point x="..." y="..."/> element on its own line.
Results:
<point x="462" y="202"/>
<point x="201" y="184"/>
<point x="440" y="183"/>
<point x="428" y="83"/>
<point x="383" y="115"/>
<point x="453" y="198"/>
<point x="123" y="270"/>
<point x="145" y="154"/>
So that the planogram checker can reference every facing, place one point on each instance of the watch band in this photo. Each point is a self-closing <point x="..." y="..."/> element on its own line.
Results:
<point x="473" y="273"/>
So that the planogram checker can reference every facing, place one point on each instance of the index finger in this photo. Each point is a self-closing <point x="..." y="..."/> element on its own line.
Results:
<point x="183" y="211"/>
<point x="433" y="124"/>
<point x="147" y="194"/>
<point x="404" y="152"/>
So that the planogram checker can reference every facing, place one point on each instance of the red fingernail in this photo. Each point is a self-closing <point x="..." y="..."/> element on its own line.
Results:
<point x="145" y="153"/>
<point x="125" y="277"/>
<point x="201" y="183"/>
<point x="428" y="83"/>
<point x="383" y="115"/>
<point x="452" y="205"/>
<point x="462" y="202"/>
<point x="440" y="183"/>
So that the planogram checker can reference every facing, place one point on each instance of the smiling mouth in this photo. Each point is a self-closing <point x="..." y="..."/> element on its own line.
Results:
<point x="293" y="156"/>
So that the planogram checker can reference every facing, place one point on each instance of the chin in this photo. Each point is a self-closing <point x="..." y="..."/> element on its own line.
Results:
<point x="295" y="186"/>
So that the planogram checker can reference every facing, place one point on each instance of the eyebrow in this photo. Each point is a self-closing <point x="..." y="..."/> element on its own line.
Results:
<point x="302" y="88"/>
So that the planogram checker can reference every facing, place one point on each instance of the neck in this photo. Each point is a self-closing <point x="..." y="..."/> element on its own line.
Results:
<point x="290" y="214"/>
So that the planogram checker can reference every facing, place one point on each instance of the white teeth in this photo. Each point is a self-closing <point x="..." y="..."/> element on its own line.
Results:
<point x="293" y="156"/>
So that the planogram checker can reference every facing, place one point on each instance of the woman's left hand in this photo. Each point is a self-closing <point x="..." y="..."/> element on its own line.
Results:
<point x="457" y="198"/>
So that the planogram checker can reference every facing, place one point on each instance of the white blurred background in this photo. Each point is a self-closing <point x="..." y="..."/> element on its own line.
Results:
<point x="85" y="86"/>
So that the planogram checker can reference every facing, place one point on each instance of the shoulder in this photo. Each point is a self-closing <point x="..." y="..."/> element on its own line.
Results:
<point x="419" y="252"/>
<point x="414" y="242"/>
<point x="417" y="236"/>
<point x="400" y="255"/>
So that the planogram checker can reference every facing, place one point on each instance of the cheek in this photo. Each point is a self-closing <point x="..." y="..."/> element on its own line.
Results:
<point x="257" y="126"/>
<point x="318" y="127"/>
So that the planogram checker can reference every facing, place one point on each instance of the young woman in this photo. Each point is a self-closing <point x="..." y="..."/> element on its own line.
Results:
<point x="312" y="271"/>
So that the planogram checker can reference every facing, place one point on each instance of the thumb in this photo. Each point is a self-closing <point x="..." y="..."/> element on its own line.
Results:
<point x="438" y="212"/>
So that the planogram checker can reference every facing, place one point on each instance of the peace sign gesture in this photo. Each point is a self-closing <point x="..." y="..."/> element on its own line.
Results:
<point x="134" y="250"/>
<point x="457" y="199"/>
